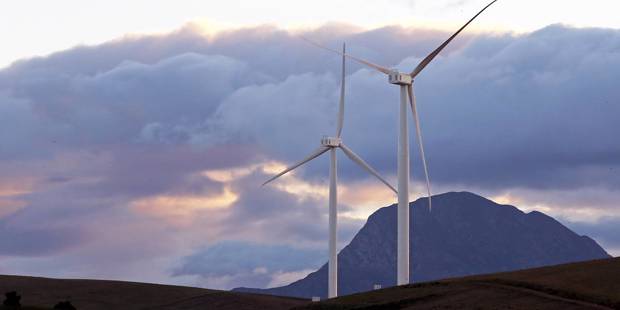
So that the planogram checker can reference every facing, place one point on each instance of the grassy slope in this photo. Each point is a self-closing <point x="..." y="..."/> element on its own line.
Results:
<point x="595" y="281"/>
<point x="98" y="294"/>
<point x="588" y="285"/>
<point x="24" y="308"/>
<point x="594" y="284"/>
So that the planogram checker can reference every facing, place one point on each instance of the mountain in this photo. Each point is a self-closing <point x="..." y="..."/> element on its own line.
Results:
<point x="464" y="234"/>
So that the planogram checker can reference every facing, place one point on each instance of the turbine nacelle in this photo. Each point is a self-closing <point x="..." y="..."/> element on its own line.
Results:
<point x="331" y="141"/>
<point x="405" y="81"/>
<point x="400" y="78"/>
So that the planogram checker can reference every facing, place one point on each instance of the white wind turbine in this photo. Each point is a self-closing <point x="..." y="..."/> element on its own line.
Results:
<point x="405" y="81"/>
<point x="331" y="144"/>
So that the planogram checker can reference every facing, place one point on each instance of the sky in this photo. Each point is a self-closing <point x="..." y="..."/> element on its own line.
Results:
<point x="36" y="28"/>
<point x="159" y="122"/>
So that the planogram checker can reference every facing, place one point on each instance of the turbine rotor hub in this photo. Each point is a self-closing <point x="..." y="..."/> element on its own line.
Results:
<point x="331" y="141"/>
<point x="400" y="78"/>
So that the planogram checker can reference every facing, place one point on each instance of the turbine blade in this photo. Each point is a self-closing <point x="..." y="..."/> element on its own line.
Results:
<point x="362" y="61"/>
<point x="432" y="55"/>
<point x="420" y="142"/>
<point x="312" y="156"/>
<point x="341" y="106"/>
<point x="354" y="157"/>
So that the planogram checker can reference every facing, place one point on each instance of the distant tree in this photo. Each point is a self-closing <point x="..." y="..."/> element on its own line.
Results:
<point x="64" y="305"/>
<point x="12" y="300"/>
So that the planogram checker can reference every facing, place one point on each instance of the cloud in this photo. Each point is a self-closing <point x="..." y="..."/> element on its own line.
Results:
<point x="250" y="264"/>
<point x="605" y="231"/>
<point x="20" y="241"/>
<point x="128" y="104"/>
<point x="531" y="111"/>
<point x="290" y="211"/>
<point x="112" y="154"/>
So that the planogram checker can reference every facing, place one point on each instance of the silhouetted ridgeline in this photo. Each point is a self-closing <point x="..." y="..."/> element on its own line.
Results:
<point x="465" y="234"/>
<point x="46" y="294"/>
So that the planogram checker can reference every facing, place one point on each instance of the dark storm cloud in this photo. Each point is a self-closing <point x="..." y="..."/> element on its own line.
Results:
<point x="537" y="110"/>
<point x="535" y="113"/>
<point x="131" y="103"/>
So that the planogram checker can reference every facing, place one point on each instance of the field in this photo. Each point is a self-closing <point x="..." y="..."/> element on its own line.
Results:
<point x="100" y="294"/>
<point x="587" y="285"/>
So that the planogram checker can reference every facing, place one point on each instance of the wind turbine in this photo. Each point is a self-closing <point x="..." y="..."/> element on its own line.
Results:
<point x="405" y="81"/>
<point x="331" y="144"/>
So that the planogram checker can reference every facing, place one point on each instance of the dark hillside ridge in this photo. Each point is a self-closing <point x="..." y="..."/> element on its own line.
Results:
<point x="43" y="293"/>
<point x="575" y="286"/>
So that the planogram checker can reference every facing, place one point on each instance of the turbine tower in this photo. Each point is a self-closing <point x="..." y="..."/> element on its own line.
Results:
<point x="405" y="82"/>
<point x="331" y="144"/>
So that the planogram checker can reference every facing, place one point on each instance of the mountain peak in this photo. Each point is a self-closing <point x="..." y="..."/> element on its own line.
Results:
<point x="464" y="234"/>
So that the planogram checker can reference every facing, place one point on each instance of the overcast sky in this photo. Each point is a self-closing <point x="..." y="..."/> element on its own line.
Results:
<point x="166" y="134"/>
<point x="30" y="27"/>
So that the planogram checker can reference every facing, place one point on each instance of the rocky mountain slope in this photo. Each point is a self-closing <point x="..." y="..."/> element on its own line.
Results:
<point x="464" y="234"/>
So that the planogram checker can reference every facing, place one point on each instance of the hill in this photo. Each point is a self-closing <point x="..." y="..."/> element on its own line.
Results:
<point x="464" y="234"/>
<point x="586" y="285"/>
<point x="106" y="295"/>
